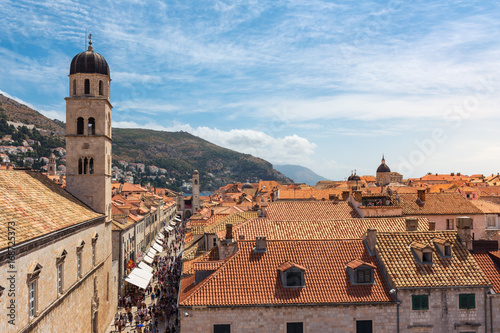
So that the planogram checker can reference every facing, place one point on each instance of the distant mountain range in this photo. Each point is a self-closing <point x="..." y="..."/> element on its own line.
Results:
<point x="178" y="152"/>
<point x="299" y="174"/>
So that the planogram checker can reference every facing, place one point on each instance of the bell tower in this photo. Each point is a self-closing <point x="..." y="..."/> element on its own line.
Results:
<point x="88" y="131"/>
<point x="196" y="190"/>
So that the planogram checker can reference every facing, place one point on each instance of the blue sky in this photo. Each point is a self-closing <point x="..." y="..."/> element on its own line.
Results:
<point x="328" y="85"/>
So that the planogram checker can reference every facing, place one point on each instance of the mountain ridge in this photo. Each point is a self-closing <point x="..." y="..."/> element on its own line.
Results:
<point x="178" y="152"/>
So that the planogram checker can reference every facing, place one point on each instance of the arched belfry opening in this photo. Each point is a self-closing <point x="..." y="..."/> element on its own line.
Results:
<point x="100" y="88"/>
<point x="91" y="126"/>
<point x="87" y="87"/>
<point x="79" y="126"/>
<point x="74" y="87"/>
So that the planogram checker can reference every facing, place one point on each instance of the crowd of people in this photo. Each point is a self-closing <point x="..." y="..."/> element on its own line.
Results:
<point x="154" y="310"/>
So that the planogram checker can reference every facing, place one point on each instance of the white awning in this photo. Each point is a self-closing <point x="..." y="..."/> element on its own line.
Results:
<point x="139" y="278"/>
<point x="158" y="247"/>
<point x="169" y="228"/>
<point x="145" y="267"/>
<point x="152" y="252"/>
<point x="137" y="282"/>
<point x="148" y="259"/>
<point x="159" y="242"/>
<point x="160" y="235"/>
<point x="177" y="219"/>
<point x="172" y="223"/>
<point x="142" y="274"/>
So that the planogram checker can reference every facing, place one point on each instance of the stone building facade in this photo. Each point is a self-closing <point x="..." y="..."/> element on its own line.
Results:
<point x="65" y="280"/>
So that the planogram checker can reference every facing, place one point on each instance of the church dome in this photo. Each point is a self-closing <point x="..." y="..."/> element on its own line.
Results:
<point x="354" y="177"/>
<point x="383" y="167"/>
<point x="89" y="62"/>
<point x="247" y="185"/>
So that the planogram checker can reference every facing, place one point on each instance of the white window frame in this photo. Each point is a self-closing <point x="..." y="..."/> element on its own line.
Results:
<point x="60" y="278"/>
<point x="32" y="287"/>
<point x="79" y="264"/>
<point x="489" y="218"/>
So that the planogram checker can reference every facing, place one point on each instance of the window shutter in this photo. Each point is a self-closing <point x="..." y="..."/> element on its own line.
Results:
<point x="472" y="301"/>
<point x="463" y="301"/>
<point x="415" y="302"/>
<point x="425" y="302"/>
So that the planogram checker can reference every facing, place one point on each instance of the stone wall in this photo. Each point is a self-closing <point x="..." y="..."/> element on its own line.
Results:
<point x="444" y="314"/>
<point x="71" y="310"/>
<point x="274" y="319"/>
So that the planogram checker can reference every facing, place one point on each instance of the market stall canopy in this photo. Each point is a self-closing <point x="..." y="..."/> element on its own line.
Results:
<point x="157" y="247"/>
<point x="146" y="267"/>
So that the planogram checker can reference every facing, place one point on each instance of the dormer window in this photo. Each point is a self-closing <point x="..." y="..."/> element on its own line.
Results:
<point x="443" y="246"/>
<point x="292" y="275"/>
<point x="360" y="272"/>
<point x="423" y="252"/>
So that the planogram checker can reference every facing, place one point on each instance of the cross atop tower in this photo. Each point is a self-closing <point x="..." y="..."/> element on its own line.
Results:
<point x="90" y="43"/>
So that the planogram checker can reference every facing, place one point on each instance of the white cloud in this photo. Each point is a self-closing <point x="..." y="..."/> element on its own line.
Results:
<point x="16" y="99"/>
<point x="282" y="150"/>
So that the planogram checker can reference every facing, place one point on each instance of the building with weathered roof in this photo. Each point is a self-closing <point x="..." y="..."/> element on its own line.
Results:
<point x="283" y="285"/>
<point x="55" y="250"/>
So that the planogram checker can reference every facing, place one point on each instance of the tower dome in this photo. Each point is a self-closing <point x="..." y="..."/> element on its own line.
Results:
<point x="89" y="62"/>
<point x="383" y="167"/>
<point x="247" y="185"/>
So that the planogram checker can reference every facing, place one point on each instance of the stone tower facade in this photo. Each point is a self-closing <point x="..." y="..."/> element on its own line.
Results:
<point x="196" y="190"/>
<point x="52" y="166"/>
<point x="88" y="131"/>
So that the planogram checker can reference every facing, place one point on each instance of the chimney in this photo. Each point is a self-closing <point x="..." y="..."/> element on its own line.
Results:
<point x="260" y="244"/>
<point x="358" y="195"/>
<point x="464" y="225"/>
<point x="229" y="231"/>
<point x="333" y="197"/>
<point x="411" y="224"/>
<point x="432" y="226"/>
<point x="452" y="174"/>
<point x="262" y="212"/>
<point x="212" y="212"/>
<point x="345" y="195"/>
<point x="371" y="240"/>
<point x="421" y="194"/>
<point x="228" y="246"/>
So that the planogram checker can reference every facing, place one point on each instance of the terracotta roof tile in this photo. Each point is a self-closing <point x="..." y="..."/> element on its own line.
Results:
<point x="403" y="269"/>
<point x="37" y="205"/>
<point x="435" y="204"/>
<point x="489" y="268"/>
<point x="310" y="210"/>
<point x="487" y="207"/>
<point x="325" y="229"/>
<point x="358" y="263"/>
<point x="249" y="278"/>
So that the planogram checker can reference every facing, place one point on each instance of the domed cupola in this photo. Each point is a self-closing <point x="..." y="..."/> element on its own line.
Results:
<point x="354" y="177"/>
<point x="383" y="167"/>
<point x="89" y="62"/>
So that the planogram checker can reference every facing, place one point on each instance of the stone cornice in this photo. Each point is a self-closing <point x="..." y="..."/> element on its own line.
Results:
<point x="22" y="249"/>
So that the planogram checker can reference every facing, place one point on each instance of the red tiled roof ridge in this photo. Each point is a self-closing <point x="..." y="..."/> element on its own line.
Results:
<point x="199" y="286"/>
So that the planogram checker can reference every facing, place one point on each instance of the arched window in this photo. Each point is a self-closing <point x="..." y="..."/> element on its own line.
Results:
<point x="91" y="166"/>
<point x="80" y="166"/>
<point x="79" y="126"/>
<point x="85" y="166"/>
<point x="91" y="126"/>
<point x="87" y="86"/>
<point x="74" y="87"/>
<point x="100" y="88"/>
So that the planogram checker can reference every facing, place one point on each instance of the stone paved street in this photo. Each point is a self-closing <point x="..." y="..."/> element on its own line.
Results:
<point x="164" y="262"/>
